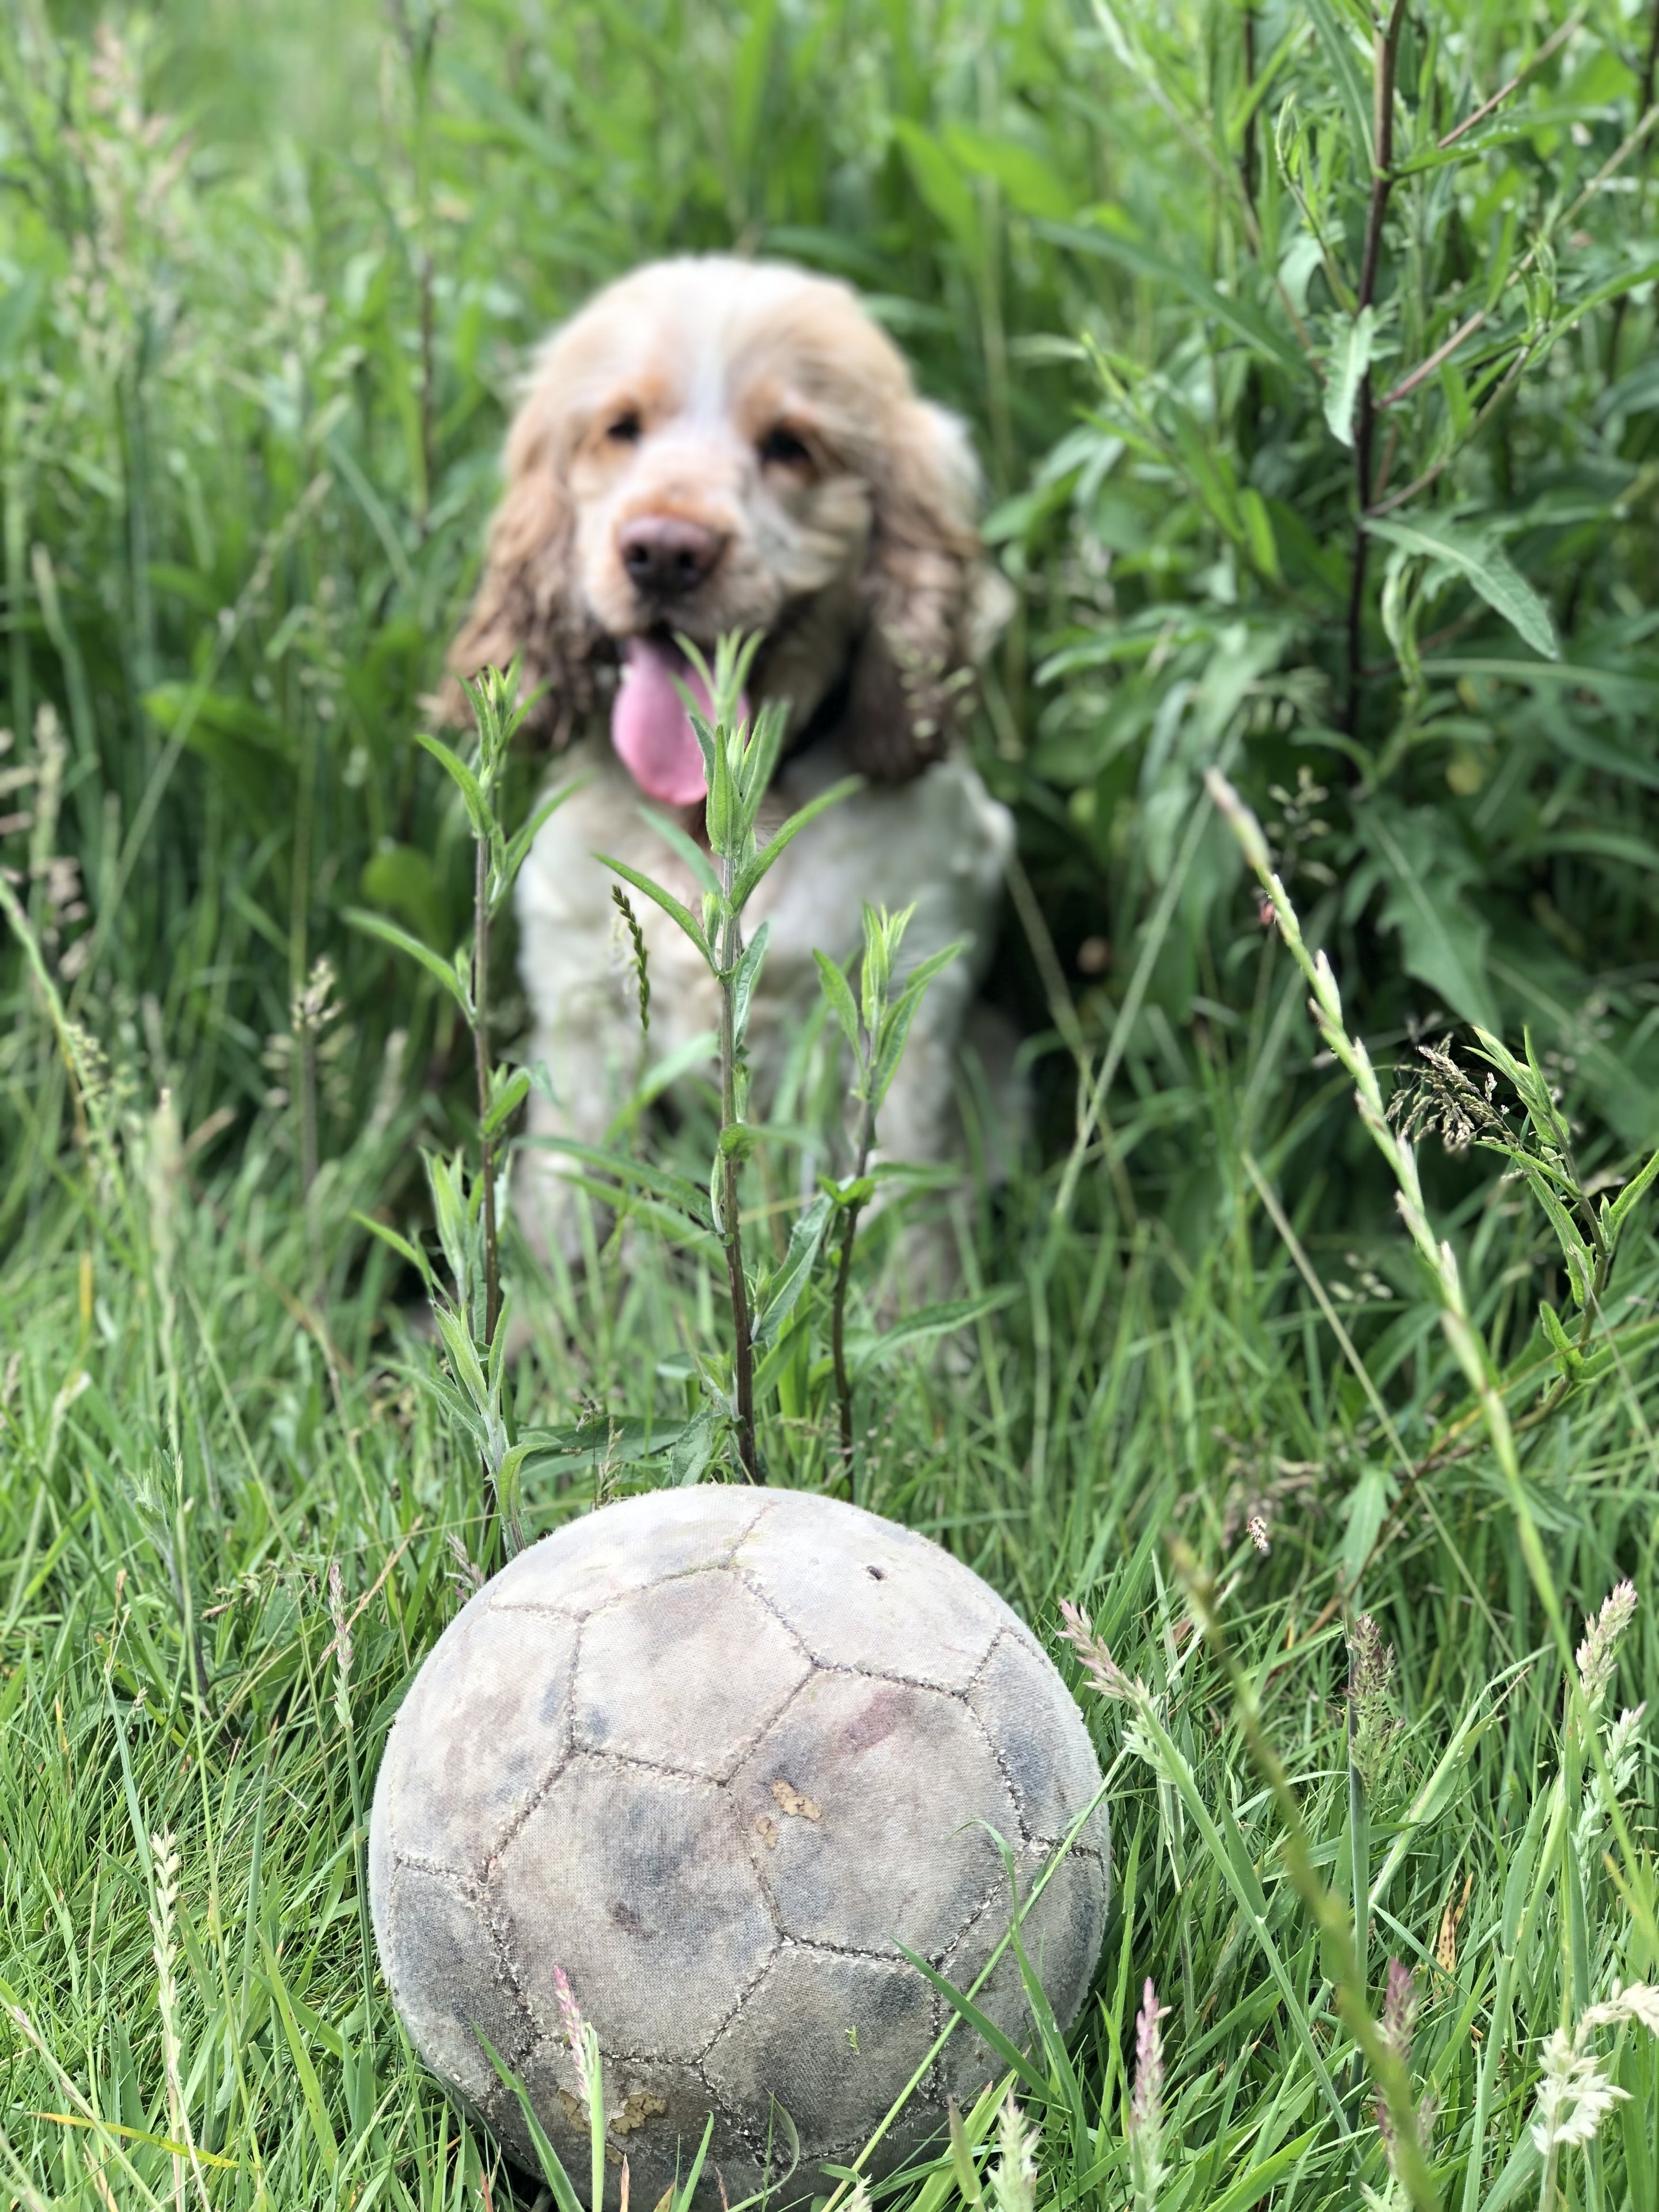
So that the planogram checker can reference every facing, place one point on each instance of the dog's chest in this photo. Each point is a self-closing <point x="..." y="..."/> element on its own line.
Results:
<point x="939" y="843"/>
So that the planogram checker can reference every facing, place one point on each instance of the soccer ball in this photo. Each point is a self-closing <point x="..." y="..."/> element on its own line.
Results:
<point x="718" y="1754"/>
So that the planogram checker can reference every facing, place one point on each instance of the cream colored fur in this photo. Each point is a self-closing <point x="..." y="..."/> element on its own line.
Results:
<point x="940" y="840"/>
<point x="856" y="557"/>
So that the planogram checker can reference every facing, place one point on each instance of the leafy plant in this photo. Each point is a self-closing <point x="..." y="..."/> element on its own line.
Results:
<point x="740" y="760"/>
<point x="466" y="1207"/>
<point x="875" y="1025"/>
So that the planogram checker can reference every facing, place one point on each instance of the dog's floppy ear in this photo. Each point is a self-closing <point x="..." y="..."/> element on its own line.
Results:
<point x="526" y="604"/>
<point x="928" y="594"/>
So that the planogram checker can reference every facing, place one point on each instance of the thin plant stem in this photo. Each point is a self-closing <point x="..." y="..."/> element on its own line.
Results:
<point x="843" y="1277"/>
<point x="743" y="1350"/>
<point x="1388" y="55"/>
<point x="481" y="1065"/>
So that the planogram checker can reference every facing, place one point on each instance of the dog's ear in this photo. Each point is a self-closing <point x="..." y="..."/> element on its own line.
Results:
<point x="526" y="605"/>
<point x="928" y="592"/>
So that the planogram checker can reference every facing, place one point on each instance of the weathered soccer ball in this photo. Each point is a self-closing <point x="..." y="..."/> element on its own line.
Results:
<point x="717" y="1754"/>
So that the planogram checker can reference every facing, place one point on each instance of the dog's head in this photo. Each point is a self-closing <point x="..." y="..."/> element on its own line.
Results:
<point x="715" y="445"/>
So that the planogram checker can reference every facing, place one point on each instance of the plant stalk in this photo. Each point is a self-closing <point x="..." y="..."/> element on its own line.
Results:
<point x="843" y="1277"/>
<point x="743" y="1351"/>
<point x="481" y="1064"/>
<point x="1387" y="56"/>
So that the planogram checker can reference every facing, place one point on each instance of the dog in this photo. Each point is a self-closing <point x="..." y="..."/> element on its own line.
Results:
<point x="714" y="445"/>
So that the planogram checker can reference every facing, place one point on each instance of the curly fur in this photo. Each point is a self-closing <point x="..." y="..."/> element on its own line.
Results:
<point x="861" y="569"/>
<point x="855" y="558"/>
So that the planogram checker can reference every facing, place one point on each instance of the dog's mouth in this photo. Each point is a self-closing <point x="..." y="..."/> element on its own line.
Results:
<point x="649" y="725"/>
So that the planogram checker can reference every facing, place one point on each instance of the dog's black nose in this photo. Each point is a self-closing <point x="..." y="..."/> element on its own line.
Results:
<point x="667" y="554"/>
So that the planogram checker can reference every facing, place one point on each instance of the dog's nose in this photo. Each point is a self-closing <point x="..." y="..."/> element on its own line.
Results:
<point x="665" y="554"/>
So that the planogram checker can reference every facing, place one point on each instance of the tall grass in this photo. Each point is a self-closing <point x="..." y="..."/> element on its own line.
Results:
<point x="263" y="285"/>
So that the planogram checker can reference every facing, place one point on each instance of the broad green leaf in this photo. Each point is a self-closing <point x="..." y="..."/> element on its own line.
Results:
<point x="895" y="1028"/>
<point x="403" y="877"/>
<point x="1628" y="1199"/>
<point x="401" y="1245"/>
<point x="750" y="66"/>
<point x="941" y="184"/>
<point x="182" y="710"/>
<point x="838" y="991"/>
<point x="1113" y="236"/>
<point x="694" y="1447"/>
<point x="518" y="845"/>
<point x="477" y="807"/>
<point x="1255" y="513"/>
<point x="760" y="756"/>
<point x="884" y="933"/>
<point x="1442" y="940"/>
<point x="678" y="1190"/>
<point x="806" y="1241"/>
<point x="1345" y="67"/>
<point x="666" y="899"/>
<point x="934" y="1321"/>
<point x="1368" y="1501"/>
<point x="451" y="976"/>
<point x="1029" y="183"/>
<point x="1573" y="1251"/>
<point x="1350" y="357"/>
<point x="1484" y="566"/>
<point x="513" y="1095"/>
<point x="1568" y="1358"/>
<point x="743" y="889"/>
<point x="463" y="1361"/>
<point x="688" y="848"/>
<point x="452" y="1215"/>
<point x="744" y="981"/>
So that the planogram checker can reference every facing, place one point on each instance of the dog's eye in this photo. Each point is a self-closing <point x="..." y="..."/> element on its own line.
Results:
<point x="782" y="447"/>
<point x="625" y="430"/>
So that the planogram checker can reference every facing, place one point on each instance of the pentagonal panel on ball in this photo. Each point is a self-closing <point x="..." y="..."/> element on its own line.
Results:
<point x="861" y="1804"/>
<point x="485" y="1724"/>
<point x="627" y="1544"/>
<point x="1041" y="1735"/>
<point x="637" y="1884"/>
<point x="832" y="2038"/>
<point x="859" y="1592"/>
<point x="686" y="1673"/>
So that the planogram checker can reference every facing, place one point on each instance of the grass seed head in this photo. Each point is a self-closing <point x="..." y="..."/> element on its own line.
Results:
<point x="1598" y="1653"/>
<point x="1145" y="2121"/>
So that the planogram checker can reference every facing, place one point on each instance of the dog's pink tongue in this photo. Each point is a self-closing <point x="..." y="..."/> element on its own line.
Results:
<point x="650" y="727"/>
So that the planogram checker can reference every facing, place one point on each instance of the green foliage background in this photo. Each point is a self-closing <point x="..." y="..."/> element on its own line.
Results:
<point x="267" y="276"/>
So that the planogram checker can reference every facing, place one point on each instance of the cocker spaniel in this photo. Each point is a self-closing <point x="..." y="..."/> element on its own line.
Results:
<point x="714" y="445"/>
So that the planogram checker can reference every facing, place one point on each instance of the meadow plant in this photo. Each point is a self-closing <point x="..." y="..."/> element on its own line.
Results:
<point x="1374" y="1728"/>
<point x="467" y="1205"/>
<point x="1144" y="2124"/>
<point x="1575" y="2095"/>
<point x="740" y="756"/>
<point x="1013" y="2178"/>
<point x="875" y="1026"/>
